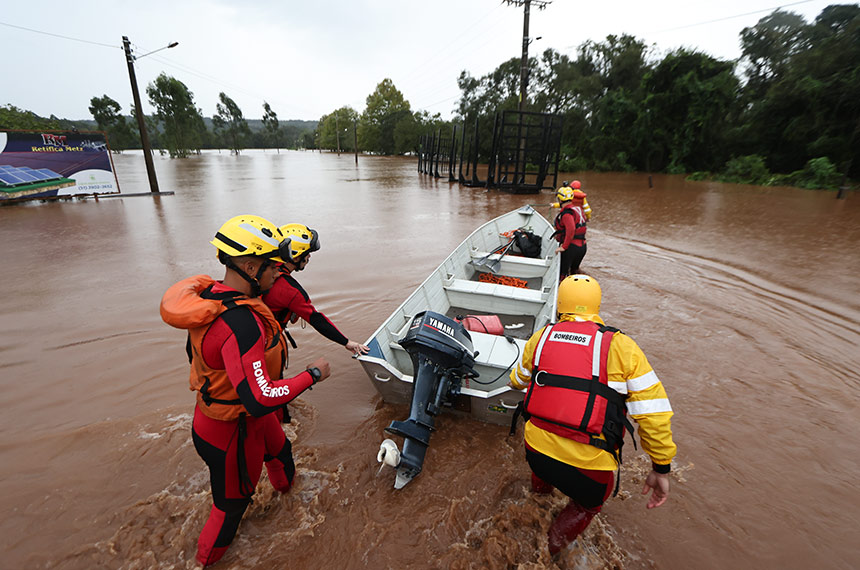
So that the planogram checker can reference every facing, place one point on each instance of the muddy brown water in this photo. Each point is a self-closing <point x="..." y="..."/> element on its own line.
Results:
<point x="745" y="300"/>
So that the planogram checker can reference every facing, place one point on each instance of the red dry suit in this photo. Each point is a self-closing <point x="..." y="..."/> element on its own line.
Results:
<point x="237" y="356"/>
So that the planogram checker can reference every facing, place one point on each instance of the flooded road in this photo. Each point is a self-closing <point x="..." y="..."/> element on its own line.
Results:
<point x="745" y="299"/>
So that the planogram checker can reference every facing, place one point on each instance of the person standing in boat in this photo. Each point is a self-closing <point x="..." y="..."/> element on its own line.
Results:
<point x="570" y="227"/>
<point x="583" y="377"/>
<point x="237" y="356"/>
<point x="289" y="301"/>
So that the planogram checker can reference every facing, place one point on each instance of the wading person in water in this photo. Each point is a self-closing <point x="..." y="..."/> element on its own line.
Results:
<point x="570" y="226"/>
<point x="583" y="377"/>
<point x="237" y="357"/>
<point x="289" y="301"/>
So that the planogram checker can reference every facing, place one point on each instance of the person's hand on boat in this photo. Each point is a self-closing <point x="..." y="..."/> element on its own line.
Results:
<point x="659" y="482"/>
<point x="323" y="366"/>
<point x="559" y="249"/>
<point x="356" y="348"/>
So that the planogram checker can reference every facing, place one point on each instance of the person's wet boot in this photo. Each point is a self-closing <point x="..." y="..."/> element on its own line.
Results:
<point x="569" y="524"/>
<point x="540" y="486"/>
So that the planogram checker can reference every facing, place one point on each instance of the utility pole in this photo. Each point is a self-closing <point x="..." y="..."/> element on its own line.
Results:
<point x="524" y="62"/>
<point x="355" y="139"/>
<point x="337" y="132"/>
<point x="141" y="125"/>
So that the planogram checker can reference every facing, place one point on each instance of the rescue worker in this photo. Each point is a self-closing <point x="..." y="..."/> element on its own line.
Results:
<point x="581" y="200"/>
<point x="289" y="301"/>
<point x="570" y="227"/>
<point x="237" y="356"/>
<point x="583" y="378"/>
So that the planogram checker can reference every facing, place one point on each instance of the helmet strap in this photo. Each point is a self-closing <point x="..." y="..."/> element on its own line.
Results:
<point x="254" y="281"/>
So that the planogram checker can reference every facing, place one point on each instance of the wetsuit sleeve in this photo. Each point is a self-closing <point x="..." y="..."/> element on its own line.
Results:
<point x="521" y="375"/>
<point x="298" y="301"/>
<point x="243" y="353"/>
<point x="326" y="328"/>
<point x="647" y="401"/>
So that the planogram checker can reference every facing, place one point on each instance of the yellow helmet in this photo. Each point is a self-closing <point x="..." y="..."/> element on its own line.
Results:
<point x="249" y="235"/>
<point x="579" y="295"/>
<point x="564" y="194"/>
<point x="299" y="241"/>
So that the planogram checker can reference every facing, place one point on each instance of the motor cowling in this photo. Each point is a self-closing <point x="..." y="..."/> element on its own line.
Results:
<point x="442" y="355"/>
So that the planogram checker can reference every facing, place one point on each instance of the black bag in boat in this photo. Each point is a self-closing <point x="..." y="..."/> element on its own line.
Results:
<point x="527" y="243"/>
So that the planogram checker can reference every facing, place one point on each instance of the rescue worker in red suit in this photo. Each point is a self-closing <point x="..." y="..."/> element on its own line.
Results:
<point x="288" y="299"/>
<point x="583" y="378"/>
<point x="570" y="227"/>
<point x="237" y="358"/>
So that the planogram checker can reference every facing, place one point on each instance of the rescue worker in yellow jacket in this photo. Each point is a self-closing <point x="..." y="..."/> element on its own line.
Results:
<point x="237" y="355"/>
<point x="580" y="199"/>
<point x="583" y="378"/>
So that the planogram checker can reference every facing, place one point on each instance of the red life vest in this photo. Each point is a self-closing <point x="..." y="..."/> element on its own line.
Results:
<point x="569" y="394"/>
<point x="580" y="221"/>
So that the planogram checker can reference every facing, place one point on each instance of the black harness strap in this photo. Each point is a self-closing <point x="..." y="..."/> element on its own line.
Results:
<point x="245" y="487"/>
<point x="209" y="400"/>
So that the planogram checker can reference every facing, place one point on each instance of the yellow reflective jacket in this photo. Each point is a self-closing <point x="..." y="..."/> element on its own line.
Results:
<point x="628" y="373"/>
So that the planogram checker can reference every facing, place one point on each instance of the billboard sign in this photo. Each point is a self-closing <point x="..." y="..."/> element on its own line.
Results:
<point x="42" y="164"/>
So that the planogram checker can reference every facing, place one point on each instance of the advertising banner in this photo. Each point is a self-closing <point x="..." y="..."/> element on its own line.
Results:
<point x="48" y="163"/>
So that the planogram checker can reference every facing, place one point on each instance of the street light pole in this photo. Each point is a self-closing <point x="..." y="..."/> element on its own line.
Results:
<point x="138" y="111"/>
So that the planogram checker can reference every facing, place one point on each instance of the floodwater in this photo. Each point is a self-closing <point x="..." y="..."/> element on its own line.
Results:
<point x="744" y="298"/>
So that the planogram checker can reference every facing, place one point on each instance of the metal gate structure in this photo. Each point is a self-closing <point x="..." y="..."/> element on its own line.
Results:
<point x="523" y="160"/>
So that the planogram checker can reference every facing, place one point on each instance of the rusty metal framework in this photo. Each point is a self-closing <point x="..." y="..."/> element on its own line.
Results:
<point x="523" y="160"/>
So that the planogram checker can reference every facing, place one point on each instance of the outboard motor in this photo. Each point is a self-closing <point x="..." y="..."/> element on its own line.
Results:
<point x="442" y="355"/>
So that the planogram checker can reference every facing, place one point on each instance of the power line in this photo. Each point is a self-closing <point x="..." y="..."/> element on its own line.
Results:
<point x="60" y="36"/>
<point x="735" y="16"/>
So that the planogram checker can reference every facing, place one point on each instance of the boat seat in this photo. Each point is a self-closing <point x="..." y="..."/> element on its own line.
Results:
<point x="516" y="265"/>
<point x="494" y="297"/>
<point x="495" y="290"/>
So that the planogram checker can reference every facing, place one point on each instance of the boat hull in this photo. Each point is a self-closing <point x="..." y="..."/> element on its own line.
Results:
<point x="455" y="289"/>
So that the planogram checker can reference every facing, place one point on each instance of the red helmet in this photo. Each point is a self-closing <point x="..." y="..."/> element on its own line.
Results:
<point x="576" y="185"/>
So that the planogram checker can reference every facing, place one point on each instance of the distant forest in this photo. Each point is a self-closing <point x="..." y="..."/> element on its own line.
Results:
<point x="787" y="112"/>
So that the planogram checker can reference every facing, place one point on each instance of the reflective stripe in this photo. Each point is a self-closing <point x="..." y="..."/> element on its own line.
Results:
<point x="642" y="382"/>
<point x="620" y="387"/>
<point x="641" y="407"/>
<point x="539" y="348"/>
<point x="257" y="233"/>
<point x="523" y="373"/>
<point x="595" y="356"/>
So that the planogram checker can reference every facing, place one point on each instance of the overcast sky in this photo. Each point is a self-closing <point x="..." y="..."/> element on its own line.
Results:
<point x="307" y="58"/>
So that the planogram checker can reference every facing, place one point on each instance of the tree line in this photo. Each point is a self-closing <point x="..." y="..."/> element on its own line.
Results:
<point x="790" y="105"/>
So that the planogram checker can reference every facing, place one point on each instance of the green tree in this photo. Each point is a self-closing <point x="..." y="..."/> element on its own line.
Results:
<point x="809" y="105"/>
<point x="272" y="127"/>
<point x="335" y="130"/>
<point x="12" y="117"/>
<point x="767" y="48"/>
<point x="106" y="113"/>
<point x="386" y="107"/>
<point x="232" y="123"/>
<point x="691" y="98"/>
<point x="180" y="120"/>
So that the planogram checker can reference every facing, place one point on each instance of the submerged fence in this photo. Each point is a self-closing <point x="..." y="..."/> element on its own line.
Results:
<point x="523" y="158"/>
